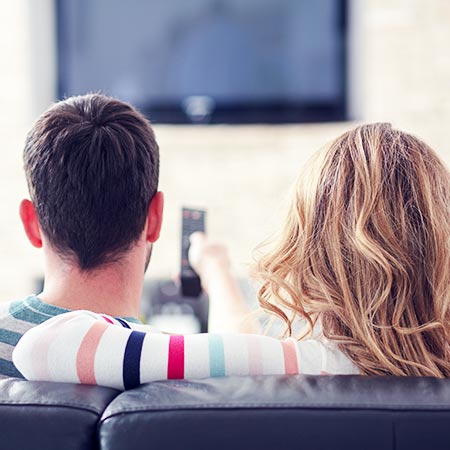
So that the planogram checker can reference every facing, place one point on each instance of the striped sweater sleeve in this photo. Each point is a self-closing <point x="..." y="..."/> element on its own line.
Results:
<point x="84" y="347"/>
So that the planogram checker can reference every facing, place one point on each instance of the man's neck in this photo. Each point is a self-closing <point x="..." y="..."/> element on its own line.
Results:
<point x="115" y="289"/>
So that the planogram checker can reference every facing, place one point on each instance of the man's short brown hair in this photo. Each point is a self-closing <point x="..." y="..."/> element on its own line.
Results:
<point x="92" y="167"/>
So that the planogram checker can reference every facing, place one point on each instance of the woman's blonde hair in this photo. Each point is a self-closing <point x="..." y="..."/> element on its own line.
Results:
<point x="365" y="252"/>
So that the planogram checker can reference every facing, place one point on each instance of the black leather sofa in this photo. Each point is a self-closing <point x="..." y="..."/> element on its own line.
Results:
<point x="297" y="412"/>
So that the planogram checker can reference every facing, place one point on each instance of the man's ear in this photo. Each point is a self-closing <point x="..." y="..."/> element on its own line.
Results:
<point x="30" y="223"/>
<point x="154" y="217"/>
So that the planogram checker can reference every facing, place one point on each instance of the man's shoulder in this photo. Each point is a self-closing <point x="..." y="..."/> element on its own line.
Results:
<point x="12" y="327"/>
<point x="16" y="318"/>
<point x="30" y="310"/>
<point x="12" y="312"/>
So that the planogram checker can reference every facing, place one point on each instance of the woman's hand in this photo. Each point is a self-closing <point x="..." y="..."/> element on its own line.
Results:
<point x="228" y="311"/>
<point x="209" y="259"/>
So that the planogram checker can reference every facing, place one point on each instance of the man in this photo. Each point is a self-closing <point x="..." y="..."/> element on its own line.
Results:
<point x="92" y="166"/>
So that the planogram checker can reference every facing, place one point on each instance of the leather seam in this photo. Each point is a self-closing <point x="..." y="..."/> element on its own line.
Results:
<point x="91" y="409"/>
<point x="218" y="406"/>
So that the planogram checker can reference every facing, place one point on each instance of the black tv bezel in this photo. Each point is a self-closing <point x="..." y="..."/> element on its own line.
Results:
<point x="246" y="113"/>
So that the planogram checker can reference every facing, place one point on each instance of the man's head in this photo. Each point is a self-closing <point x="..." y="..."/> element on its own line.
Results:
<point x="92" y="166"/>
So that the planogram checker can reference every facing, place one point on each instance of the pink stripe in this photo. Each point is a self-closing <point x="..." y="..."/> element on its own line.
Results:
<point x="39" y="354"/>
<point x="290" y="357"/>
<point x="86" y="353"/>
<point x="255" y="365"/>
<point x="175" y="365"/>
<point x="108" y="320"/>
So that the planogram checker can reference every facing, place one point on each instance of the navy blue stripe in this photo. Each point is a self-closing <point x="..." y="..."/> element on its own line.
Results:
<point x="122" y="322"/>
<point x="132" y="360"/>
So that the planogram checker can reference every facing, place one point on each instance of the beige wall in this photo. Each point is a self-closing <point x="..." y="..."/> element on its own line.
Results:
<point x="399" y="71"/>
<point x="17" y="262"/>
<point x="404" y="64"/>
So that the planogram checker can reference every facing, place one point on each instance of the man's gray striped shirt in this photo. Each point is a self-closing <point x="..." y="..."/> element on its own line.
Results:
<point x="16" y="318"/>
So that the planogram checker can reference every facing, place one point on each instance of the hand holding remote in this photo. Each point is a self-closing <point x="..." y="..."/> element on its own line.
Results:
<point x="207" y="258"/>
<point x="227" y="307"/>
<point x="192" y="220"/>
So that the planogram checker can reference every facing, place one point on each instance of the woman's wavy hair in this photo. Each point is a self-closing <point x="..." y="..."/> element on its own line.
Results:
<point x="365" y="252"/>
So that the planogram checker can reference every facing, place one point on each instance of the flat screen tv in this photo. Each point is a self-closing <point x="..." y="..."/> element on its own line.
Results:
<point x="211" y="61"/>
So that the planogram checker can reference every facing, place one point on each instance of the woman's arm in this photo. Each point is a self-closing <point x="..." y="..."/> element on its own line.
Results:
<point x="228" y="311"/>
<point x="84" y="347"/>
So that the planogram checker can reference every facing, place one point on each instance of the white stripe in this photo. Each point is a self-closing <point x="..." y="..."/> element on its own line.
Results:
<point x="236" y="354"/>
<point x="309" y="357"/>
<point x="23" y="360"/>
<point x="196" y="356"/>
<point x="336" y="361"/>
<point x="273" y="358"/>
<point x="108" y="365"/>
<point x="65" y="369"/>
<point x="154" y="359"/>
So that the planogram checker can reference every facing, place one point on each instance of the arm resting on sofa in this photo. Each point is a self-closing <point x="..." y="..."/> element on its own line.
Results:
<point x="85" y="347"/>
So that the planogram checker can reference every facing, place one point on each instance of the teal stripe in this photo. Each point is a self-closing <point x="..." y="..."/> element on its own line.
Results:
<point x="216" y="356"/>
<point x="28" y="315"/>
<point x="9" y="337"/>
<point x="33" y="310"/>
<point x="8" y="369"/>
<point x="45" y="308"/>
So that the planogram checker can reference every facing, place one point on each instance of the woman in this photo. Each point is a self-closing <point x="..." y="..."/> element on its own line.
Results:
<point x="363" y="256"/>
<point x="365" y="253"/>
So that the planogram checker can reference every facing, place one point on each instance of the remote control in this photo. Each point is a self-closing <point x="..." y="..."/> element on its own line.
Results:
<point x="192" y="220"/>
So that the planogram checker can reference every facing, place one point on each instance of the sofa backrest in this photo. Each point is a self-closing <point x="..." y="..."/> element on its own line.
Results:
<point x="261" y="413"/>
<point x="277" y="413"/>
<point x="50" y="416"/>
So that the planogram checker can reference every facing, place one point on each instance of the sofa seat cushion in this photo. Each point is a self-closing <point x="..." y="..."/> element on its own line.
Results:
<point x="39" y="415"/>
<point x="278" y="412"/>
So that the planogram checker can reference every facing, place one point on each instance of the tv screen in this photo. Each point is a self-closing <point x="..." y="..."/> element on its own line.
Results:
<point x="219" y="61"/>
